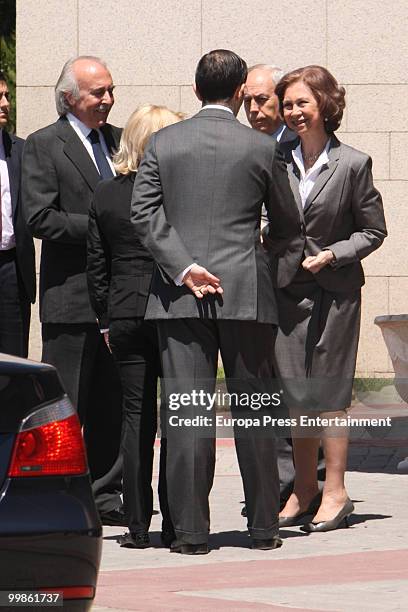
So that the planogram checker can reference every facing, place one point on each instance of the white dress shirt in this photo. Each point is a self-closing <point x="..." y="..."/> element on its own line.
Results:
<point x="83" y="132"/>
<point x="308" y="177"/>
<point x="7" y="238"/>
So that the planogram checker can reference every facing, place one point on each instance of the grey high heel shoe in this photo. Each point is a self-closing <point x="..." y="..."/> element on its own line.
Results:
<point x="298" y="519"/>
<point x="341" y="519"/>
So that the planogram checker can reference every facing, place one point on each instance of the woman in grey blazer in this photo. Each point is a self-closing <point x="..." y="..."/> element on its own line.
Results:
<point x="343" y="222"/>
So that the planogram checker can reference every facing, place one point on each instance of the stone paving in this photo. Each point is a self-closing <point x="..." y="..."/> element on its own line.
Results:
<point x="358" y="569"/>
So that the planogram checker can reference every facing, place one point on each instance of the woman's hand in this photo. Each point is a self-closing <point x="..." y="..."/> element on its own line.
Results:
<point x="314" y="263"/>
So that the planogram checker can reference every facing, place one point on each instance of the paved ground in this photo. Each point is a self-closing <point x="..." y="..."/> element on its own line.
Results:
<point x="361" y="568"/>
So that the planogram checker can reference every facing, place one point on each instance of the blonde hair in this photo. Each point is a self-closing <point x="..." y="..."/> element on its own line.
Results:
<point x="142" y="123"/>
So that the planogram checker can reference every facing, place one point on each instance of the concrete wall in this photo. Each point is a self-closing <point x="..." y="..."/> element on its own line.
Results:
<point x="152" y="49"/>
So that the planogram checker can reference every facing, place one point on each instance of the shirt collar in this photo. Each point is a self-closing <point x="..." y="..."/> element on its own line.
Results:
<point x="78" y="126"/>
<point x="278" y="133"/>
<point x="219" y="106"/>
<point x="320" y="161"/>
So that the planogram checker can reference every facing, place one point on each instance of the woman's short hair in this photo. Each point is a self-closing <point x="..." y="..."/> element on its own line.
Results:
<point x="329" y="95"/>
<point x="142" y="123"/>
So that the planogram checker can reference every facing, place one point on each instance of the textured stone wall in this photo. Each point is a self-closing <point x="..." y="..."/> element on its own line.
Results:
<point x="152" y="49"/>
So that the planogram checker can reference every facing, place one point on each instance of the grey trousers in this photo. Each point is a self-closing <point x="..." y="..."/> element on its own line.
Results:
<point x="189" y="352"/>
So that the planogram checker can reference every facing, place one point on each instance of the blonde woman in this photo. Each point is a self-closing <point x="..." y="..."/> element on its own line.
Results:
<point x="119" y="274"/>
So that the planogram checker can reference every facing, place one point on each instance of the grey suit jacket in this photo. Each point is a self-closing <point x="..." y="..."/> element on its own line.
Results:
<point x="197" y="198"/>
<point x="343" y="213"/>
<point x="58" y="182"/>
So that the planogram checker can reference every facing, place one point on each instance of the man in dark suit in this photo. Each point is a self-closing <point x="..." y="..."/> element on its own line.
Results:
<point x="62" y="165"/>
<point x="196" y="206"/>
<point x="261" y="103"/>
<point x="17" y="258"/>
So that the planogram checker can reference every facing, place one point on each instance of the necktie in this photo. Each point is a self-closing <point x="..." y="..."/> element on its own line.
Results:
<point x="104" y="168"/>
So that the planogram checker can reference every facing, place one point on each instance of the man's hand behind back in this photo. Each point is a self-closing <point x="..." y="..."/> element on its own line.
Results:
<point x="201" y="282"/>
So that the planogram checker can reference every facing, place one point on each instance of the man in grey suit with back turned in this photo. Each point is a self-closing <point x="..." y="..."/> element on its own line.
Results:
<point x="62" y="165"/>
<point x="196" y="206"/>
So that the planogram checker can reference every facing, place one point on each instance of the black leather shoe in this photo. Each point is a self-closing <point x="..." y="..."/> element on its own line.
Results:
<point x="340" y="520"/>
<point x="134" y="540"/>
<point x="299" y="519"/>
<point x="167" y="537"/>
<point x="115" y="518"/>
<point x="189" y="549"/>
<point x="268" y="544"/>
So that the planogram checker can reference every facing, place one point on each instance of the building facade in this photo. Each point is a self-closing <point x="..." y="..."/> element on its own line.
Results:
<point x="152" y="49"/>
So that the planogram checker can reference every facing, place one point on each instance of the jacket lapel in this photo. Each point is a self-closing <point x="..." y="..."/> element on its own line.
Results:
<point x="110" y="140"/>
<point x="13" y="166"/>
<point x="287" y="136"/>
<point x="293" y="173"/>
<point x="76" y="152"/>
<point x="325" y="172"/>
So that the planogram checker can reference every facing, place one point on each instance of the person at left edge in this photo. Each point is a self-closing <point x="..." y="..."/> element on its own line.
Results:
<point x="17" y="258"/>
<point x="62" y="165"/>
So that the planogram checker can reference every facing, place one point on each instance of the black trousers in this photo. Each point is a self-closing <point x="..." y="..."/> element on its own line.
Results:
<point x="189" y="351"/>
<point x="134" y="344"/>
<point x="91" y="380"/>
<point x="15" y="308"/>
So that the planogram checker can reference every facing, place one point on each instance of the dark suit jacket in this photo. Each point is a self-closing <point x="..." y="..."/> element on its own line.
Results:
<point x="119" y="267"/>
<point x="13" y="147"/>
<point x="197" y="197"/>
<point x="287" y="136"/>
<point x="59" y="178"/>
<point x="343" y="213"/>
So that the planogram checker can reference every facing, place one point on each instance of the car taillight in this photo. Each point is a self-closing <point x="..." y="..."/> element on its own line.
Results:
<point x="49" y="443"/>
<point x="72" y="592"/>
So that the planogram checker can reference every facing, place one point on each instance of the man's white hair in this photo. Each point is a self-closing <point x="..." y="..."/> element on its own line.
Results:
<point x="275" y="72"/>
<point x="67" y="83"/>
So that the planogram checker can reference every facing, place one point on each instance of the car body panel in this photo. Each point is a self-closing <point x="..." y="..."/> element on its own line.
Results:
<point x="50" y="531"/>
